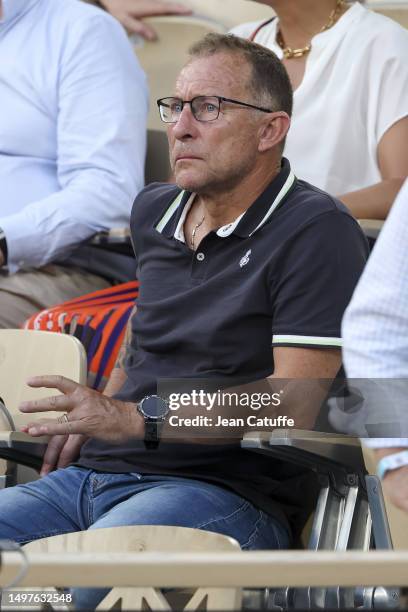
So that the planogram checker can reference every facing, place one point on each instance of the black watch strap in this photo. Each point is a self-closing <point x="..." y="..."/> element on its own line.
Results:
<point x="152" y="433"/>
<point x="3" y="246"/>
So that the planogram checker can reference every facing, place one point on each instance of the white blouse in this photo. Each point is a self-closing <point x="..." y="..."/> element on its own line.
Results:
<point x="354" y="89"/>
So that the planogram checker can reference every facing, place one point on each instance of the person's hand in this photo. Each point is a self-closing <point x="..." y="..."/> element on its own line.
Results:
<point x="395" y="486"/>
<point x="130" y="12"/>
<point x="87" y="412"/>
<point x="61" y="451"/>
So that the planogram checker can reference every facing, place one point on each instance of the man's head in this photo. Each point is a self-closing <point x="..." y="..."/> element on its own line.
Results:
<point x="215" y="149"/>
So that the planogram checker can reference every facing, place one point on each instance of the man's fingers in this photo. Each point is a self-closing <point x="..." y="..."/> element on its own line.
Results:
<point x="70" y="451"/>
<point x="52" y="454"/>
<point x="53" y="428"/>
<point x="138" y="27"/>
<point x="58" y="403"/>
<point x="52" y="381"/>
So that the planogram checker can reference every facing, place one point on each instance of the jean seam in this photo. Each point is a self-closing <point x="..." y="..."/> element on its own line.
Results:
<point x="276" y="531"/>
<point x="242" y="507"/>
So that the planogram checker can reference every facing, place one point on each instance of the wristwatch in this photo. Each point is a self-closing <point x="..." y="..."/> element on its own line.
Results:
<point x="391" y="462"/>
<point x="154" y="410"/>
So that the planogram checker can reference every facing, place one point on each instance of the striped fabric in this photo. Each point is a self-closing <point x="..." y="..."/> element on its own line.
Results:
<point x="98" y="320"/>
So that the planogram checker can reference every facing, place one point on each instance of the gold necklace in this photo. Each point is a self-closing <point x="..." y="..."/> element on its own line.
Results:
<point x="193" y="233"/>
<point x="289" y="53"/>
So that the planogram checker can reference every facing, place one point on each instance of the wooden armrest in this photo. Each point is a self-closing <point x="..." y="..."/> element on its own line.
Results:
<point x="252" y="569"/>
<point x="371" y="227"/>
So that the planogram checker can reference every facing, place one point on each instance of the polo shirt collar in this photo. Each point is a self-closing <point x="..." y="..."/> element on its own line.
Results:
<point x="255" y="217"/>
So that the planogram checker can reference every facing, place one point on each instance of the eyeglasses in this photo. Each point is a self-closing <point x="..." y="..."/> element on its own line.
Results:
<point x="204" y="108"/>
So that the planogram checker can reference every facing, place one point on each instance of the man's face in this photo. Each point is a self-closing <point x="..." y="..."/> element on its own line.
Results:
<point x="214" y="155"/>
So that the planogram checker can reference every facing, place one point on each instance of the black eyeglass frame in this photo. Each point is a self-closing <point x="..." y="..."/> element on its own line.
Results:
<point x="220" y="100"/>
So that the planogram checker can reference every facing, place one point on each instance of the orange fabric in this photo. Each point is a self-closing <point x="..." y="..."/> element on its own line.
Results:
<point x="98" y="320"/>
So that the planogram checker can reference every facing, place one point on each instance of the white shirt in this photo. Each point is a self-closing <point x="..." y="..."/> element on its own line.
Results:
<point x="375" y="332"/>
<point x="354" y="89"/>
<point x="72" y="127"/>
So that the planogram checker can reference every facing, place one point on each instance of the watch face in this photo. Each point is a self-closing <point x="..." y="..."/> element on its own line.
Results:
<point x="154" y="407"/>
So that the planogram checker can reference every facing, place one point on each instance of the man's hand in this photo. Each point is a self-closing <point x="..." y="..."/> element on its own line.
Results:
<point x="130" y="12"/>
<point x="1" y="258"/>
<point x="395" y="486"/>
<point x="61" y="451"/>
<point x="87" y="412"/>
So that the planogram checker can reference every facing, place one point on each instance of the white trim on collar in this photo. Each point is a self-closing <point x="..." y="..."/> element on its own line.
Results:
<point x="287" y="185"/>
<point x="179" y="231"/>
<point x="169" y="212"/>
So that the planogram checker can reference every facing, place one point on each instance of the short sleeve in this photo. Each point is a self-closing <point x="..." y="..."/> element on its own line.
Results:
<point x="318" y="273"/>
<point x="389" y="68"/>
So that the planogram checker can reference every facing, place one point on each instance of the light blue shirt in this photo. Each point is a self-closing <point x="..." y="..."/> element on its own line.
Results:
<point x="375" y="334"/>
<point x="72" y="127"/>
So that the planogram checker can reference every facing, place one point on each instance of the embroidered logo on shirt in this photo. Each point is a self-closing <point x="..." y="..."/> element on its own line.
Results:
<point x="245" y="259"/>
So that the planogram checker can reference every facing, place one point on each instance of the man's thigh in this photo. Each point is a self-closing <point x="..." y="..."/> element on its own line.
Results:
<point x="160" y="500"/>
<point x="46" y="507"/>
<point x="24" y="293"/>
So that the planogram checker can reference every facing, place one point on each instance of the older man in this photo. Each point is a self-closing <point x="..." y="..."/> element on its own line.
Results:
<point x="245" y="273"/>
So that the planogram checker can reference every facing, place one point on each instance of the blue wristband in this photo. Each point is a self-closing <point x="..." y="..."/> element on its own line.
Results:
<point x="392" y="462"/>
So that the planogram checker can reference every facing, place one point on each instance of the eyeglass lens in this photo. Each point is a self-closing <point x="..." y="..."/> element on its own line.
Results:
<point x="204" y="108"/>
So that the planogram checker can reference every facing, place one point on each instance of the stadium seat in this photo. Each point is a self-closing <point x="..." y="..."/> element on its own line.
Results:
<point x="350" y="512"/>
<point x="229" y="12"/>
<point x="24" y="354"/>
<point x="398" y="11"/>
<point x="145" y="539"/>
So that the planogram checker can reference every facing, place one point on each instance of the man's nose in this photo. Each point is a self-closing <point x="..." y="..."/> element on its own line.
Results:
<point x="186" y="124"/>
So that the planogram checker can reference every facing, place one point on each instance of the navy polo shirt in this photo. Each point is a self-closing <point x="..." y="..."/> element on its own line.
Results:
<point x="281" y="275"/>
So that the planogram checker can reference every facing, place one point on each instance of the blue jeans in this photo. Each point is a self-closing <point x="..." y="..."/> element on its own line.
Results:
<point x="77" y="499"/>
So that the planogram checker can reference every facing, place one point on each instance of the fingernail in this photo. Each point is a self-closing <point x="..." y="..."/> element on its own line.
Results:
<point x="23" y="406"/>
<point x="32" y="431"/>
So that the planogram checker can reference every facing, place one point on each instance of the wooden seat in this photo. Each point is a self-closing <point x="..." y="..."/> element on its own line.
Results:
<point x="150" y="538"/>
<point x="26" y="353"/>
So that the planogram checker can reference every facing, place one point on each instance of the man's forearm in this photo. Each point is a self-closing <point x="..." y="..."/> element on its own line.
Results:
<point x="118" y="374"/>
<point x="227" y="414"/>
<point x="373" y="202"/>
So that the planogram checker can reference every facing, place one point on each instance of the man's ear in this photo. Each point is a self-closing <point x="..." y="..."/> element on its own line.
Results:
<point x="273" y="130"/>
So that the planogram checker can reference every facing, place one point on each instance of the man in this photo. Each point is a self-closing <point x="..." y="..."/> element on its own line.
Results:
<point x="72" y="147"/>
<point x="375" y="331"/>
<point x="245" y="272"/>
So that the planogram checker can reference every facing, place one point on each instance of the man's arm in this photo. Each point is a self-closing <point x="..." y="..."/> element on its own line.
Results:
<point x="100" y="116"/>
<point x="118" y="375"/>
<point x="302" y="376"/>
<point x="309" y="369"/>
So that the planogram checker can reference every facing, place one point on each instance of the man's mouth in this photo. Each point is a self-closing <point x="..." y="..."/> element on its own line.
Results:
<point x="186" y="157"/>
